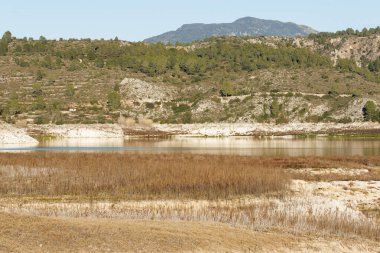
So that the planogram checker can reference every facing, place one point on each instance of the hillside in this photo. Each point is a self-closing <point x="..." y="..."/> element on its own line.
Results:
<point x="267" y="79"/>
<point x="243" y="27"/>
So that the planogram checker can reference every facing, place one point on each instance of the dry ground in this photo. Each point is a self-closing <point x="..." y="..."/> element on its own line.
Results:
<point x="40" y="234"/>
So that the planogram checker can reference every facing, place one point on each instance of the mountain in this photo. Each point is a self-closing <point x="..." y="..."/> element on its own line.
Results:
<point x="243" y="27"/>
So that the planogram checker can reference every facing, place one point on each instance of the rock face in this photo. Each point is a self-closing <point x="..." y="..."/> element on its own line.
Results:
<point x="80" y="131"/>
<point x="242" y="27"/>
<point x="141" y="91"/>
<point x="12" y="135"/>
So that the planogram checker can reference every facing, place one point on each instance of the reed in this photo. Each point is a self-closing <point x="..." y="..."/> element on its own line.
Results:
<point x="137" y="176"/>
<point x="242" y="191"/>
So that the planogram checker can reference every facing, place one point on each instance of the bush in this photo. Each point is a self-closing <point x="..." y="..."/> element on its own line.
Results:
<point x="275" y="109"/>
<point x="40" y="120"/>
<point x="371" y="112"/>
<point x="180" y="108"/>
<point x="149" y="105"/>
<point x="40" y="75"/>
<point x="114" y="101"/>
<point x="39" y="104"/>
<point x="70" y="90"/>
<point x="187" y="118"/>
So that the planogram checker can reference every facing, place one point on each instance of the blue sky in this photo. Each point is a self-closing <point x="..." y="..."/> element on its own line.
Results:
<point x="139" y="19"/>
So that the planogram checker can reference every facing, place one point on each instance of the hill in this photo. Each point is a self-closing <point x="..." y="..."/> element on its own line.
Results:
<point x="320" y="78"/>
<point x="243" y="27"/>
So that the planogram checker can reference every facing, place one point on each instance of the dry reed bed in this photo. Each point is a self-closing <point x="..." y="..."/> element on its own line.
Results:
<point x="137" y="176"/>
<point x="152" y="176"/>
<point x="200" y="188"/>
<point x="296" y="215"/>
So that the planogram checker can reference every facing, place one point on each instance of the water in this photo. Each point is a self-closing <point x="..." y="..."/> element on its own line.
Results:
<point x="281" y="146"/>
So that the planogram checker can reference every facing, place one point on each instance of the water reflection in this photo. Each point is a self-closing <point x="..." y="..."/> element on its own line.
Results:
<point x="84" y="142"/>
<point x="265" y="146"/>
<point x="284" y="146"/>
<point x="17" y="146"/>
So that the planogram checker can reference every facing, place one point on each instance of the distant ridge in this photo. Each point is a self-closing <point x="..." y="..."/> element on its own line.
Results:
<point x="243" y="27"/>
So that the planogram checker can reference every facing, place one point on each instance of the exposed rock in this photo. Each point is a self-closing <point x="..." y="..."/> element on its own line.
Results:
<point x="247" y="129"/>
<point x="141" y="91"/>
<point x="79" y="131"/>
<point x="12" y="135"/>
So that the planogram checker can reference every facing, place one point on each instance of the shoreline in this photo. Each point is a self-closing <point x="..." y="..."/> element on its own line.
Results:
<point x="260" y="129"/>
<point x="32" y="133"/>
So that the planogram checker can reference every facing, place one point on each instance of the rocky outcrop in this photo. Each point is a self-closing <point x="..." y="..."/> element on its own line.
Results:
<point x="12" y="135"/>
<point x="140" y="91"/>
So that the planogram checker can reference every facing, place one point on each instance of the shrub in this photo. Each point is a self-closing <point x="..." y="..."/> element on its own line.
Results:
<point x="149" y="105"/>
<point x="70" y="90"/>
<point x="180" y="108"/>
<point x="114" y="101"/>
<point x="275" y="108"/>
<point x="40" y="120"/>
<point x="371" y="112"/>
<point x="40" y="75"/>
<point x="187" y="117"/>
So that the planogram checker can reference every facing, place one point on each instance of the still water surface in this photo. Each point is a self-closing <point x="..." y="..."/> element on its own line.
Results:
<point x="282" y="146"/>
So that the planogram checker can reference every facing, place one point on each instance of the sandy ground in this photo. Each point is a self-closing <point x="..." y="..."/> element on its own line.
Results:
<point x="35" y="234"/>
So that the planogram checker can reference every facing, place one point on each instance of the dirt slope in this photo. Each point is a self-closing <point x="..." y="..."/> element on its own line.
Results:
<point x="35" y="234"/>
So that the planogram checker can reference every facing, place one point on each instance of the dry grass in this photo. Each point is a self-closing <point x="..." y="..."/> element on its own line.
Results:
<point x="298" y="216"/>
<point x="372" y="164"/>
<point x="41" y="234"/>
<point x="195" y="181"/>
<point x="137" y="176"/>
<point x="147" y="176"/>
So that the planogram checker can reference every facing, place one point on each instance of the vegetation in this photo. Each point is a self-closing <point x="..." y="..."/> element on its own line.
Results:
<point x="80" y="75"/>
<point x="251" y="192"/>
<point x="4" y="43"/>
<point x="116" y="176"/>
<point x="374" y="66"/>
<point x="141" y="176"/>
<point x="322" y="36"/>
<point x="371" y="112"/>
<point x="157" y="59"/>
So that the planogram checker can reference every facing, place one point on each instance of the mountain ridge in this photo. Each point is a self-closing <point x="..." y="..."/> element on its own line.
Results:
<point x="242" y="27"/>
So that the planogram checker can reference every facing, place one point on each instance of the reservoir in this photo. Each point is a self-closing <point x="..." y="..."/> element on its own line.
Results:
<point x="247" y="146"/>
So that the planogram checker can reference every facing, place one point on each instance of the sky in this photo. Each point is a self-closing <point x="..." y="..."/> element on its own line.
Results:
<point x="135" y="20"/>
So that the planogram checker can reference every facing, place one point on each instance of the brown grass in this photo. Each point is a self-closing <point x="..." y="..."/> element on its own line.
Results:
<point x="139" y="176"/>
<point x="372" y="164"/>
<point x="29" y="178"/>
<point x="291" y="215"/>
<point x="136" y="176"/>
<point x="41" y="234"/>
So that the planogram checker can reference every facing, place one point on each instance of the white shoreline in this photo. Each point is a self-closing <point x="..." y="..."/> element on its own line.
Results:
<point x="12" y="135"/>
<point x="249" y="129"/>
